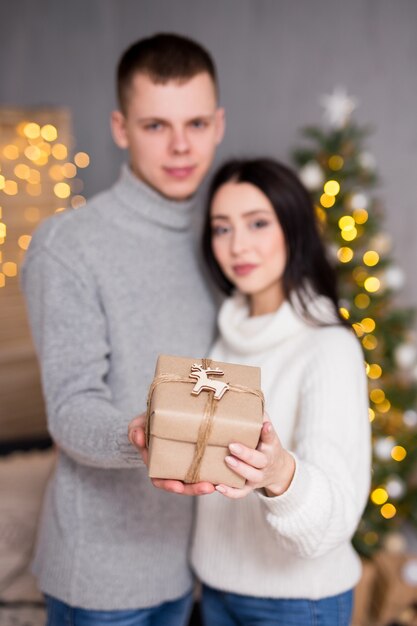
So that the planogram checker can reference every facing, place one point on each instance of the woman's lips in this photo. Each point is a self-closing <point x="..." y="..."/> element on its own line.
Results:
<point x="180" y="173"/>
<point x="244" y="269"/>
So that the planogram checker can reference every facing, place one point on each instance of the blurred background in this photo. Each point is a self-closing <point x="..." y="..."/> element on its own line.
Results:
<point x="278" y="61"/>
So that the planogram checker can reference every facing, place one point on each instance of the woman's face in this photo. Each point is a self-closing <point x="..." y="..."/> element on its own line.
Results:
<point x="248" y="244"/>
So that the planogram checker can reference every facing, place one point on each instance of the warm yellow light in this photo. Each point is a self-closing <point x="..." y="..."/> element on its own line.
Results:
<point x="32" y="153"/>
<point x="377" y="396"/>
<point x="59" y="151"/>
<point x="370" y="342"/>
<point x="32" y="130"/>
<point x="362" y="300"/>
<point x="388" y="510"/>
<point x="336" y="162"/>
<point x="49" y="132"/>
<point x="371" y="414"/>
<point x="81" y="159"/>
<point x="11" y="152"/>
<point x="9" y="269"/>
<point x="42" y="160"/>
<point x="22" y="171"/>
<point x="56" y="172"/>
<point x="34" y="177"/>
<point x="77" y="201"/>
<point x="371" y="258"/>
<point x="345" y="254"/>
<point x="349" y="235"/>
<point x="344" y="313"/>
<point x="62" y="190"/>
<point x="69" y="170"/>
<point x="368" y="324"/>
<point x="24" y="241"/>
<point x="371" y="538"/>
<point x="360" y="216"/>
<point x="327" y="201"/>
<point x="2" y="280"/>
<point x="332" y="188"/>
<point x="2" y="181"/>
<point x="346" y="222"/>
<point x="358" y="330"/>
<point x="45" y="147"/>
<point x="379" y="495"/>
<point x="372" y="284"/>
<point x="320" y="214"/>
<point x="375" y="371"/>
<point x="60" y="209"/>
<point x="398" y="453"/>
<point x="3" y="230"/>
<point x="384" y="406"/>
<point x="32" y="214"/>
<point x="10" y="187"/>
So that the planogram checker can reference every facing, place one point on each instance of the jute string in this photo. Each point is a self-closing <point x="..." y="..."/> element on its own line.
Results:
<point x="206" y="426"/>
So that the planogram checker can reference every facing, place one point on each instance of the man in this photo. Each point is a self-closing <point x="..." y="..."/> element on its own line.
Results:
<point x="108" y="288"/>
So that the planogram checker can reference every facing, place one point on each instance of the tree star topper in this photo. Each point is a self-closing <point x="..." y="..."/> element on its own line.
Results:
<point x="338" y="107"/>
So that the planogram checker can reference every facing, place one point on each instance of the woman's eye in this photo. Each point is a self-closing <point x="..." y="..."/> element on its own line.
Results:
<point x="219" y="230"/>
<point x="259" y="224"/>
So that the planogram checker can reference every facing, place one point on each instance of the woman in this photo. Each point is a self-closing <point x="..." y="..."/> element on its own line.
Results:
<point x="278" y="551"/>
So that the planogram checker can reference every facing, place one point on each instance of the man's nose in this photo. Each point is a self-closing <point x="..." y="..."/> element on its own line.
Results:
<point x="179" y="141"/>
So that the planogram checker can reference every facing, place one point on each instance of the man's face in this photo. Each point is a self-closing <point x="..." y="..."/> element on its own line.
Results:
<point x="171" y="131"/>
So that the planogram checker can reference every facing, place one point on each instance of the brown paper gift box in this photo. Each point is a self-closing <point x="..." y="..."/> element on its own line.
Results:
<point x="392" y="592"/>
<point x="175" y="416"/>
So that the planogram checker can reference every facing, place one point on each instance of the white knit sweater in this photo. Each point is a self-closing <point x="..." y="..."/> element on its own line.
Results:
<point x="296" y="545"/>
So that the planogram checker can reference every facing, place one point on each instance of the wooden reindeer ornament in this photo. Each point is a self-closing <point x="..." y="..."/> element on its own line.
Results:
<point x="208" y="384"/>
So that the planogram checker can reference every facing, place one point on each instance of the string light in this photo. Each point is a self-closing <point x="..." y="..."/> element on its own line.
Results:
<point x="372" y="284"/>
<point x="388" y="510"/>
<point x="371" y="258"/>
<point x="379" y="495"/>
<point x="336" y="162"/>
<point x="398" y="453"/>
<point x="345" y="254"/>
<point x="30" y="146"/>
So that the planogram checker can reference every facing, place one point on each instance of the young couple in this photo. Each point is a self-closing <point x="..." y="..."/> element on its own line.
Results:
<point x="111" y="286"/>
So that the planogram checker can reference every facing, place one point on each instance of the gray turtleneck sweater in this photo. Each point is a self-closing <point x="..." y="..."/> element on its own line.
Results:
<point x="108" y="288"/>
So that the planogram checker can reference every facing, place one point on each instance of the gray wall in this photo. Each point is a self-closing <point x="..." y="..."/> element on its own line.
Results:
<point x="275" y="58"/>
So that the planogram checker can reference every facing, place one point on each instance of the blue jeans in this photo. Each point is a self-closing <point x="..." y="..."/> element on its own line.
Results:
<point x="175" y="613"/>
<point x="230" y="609"/>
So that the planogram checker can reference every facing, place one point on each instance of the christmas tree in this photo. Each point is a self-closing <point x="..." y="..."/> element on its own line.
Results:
<point x="340" y="173"/>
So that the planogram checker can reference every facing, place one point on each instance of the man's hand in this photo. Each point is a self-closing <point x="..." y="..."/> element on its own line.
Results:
<point x="136" y="434"/>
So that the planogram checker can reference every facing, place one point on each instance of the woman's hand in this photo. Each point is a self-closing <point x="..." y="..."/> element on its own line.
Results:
<point x="270" y="466"/>
<point x="136" y="434"/>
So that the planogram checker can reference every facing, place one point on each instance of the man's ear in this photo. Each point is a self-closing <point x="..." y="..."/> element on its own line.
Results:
<point x="118" y="129"/>
<point x="220" y="121"/>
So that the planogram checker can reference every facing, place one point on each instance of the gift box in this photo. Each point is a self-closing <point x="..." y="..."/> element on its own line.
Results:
<point x="196" y="408"/>
<point x="395" y="586"/>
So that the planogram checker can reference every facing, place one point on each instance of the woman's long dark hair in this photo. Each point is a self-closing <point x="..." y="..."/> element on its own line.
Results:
<point x="307" y="267"/>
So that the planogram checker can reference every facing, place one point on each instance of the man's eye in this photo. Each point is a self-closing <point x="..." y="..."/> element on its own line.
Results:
<point x="154" y="126"/>
<point x="199" y="124"/>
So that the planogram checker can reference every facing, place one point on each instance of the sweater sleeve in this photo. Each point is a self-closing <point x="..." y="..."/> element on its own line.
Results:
<point x="322" y="507"/>
<point x="69" y="331"/>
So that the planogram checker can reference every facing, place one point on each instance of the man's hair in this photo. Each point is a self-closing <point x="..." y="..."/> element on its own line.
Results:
<point x="162" y="57"/>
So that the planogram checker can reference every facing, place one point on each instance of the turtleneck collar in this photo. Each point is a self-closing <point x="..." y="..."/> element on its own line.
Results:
<point x="247" y="335"/>
<point x="139" y="198"/>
